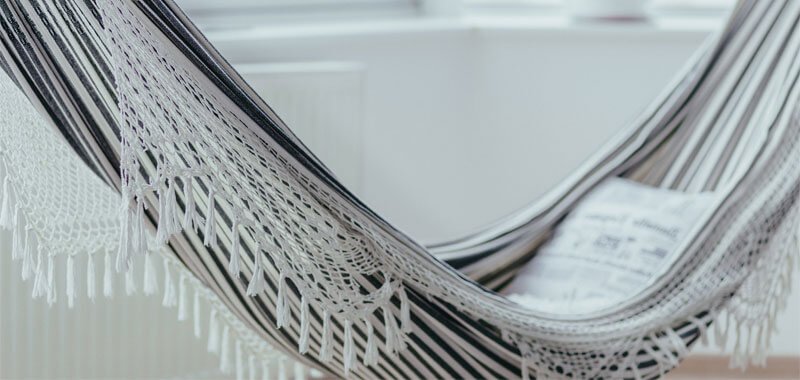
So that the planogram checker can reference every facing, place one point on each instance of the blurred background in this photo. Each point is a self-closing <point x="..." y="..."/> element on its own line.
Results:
<point x="443" y="115"/>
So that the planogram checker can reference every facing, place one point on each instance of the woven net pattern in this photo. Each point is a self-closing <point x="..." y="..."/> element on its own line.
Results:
<point x="61" y="214"/>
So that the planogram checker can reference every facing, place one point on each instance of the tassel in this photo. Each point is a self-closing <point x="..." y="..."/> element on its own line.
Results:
<point x="299" y="371"/>
<point x="196" y="314"/>
<point x="173" y="220"/>
<point x="162" y="230"/>
<point x="130" y="284"/>
<point x="16" y="247"/>
<point x="70" y="281"/>
<point x="239" y="361"/>
<point x="38" y="282"/>
<point x="264" y="370"/>
<point x="5" y="212"/>
<point x="91" y="287"/>
<point x="282" y="375"/>
<point x="27" y="255"/>
<point x="108" y="283"/>
<point x="325" y="349"/>
<point x="720" y="331"/>
<point x="51" y="280"/>
<point x="210" y="232"/>
<point x="233" y="265"/>
<point x="224" y="355"/>
<point x="257" y="283"/>
<point x="371" y="352"/>
<point x="251" y="367"/>
<point x="141" y="237"/>
<point x="150" y="281"/>
<point x="213" y="332"/>
<point x="189" y="215"/>
<point x="125" y="242"/>
<point x="304" y="327"/>
<point x="283" y="312"/>
<point x="394" y="340"/>
<point x="405" y="314"/>
<point x="349" y="350"/>
<point x="169" y="299"/>
<point x="182" y="299"/>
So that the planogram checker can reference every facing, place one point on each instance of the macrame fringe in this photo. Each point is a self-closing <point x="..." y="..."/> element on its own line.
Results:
<point x="5" y="209"/>
<point x="371" y="352"/>
<point x="305" y="327"/>
<point x="42" y="266"/>
<point x="325" y="349"/>
<point x="170" y="297"/>
<point x="349" y="350"/>
<point x="130" y="283"/>
<point x="150" y="281"/>
<point x="257" y="283"/>
<point x="282" y="311"/>
<point x="233" y="264"/>
<point x="210" y="230"/>
<point x="70" y="281"/>
<point x="405" y="313"/>
<point x="189" y="216"/>
<point x="395" y="340"/>
<point x="51" y="281"/>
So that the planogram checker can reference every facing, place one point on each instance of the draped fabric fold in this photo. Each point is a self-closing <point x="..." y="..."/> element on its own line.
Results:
<point x="211" y="178"/>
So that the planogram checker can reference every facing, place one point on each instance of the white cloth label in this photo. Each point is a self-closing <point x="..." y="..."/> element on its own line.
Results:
<point x="614" y="244"/>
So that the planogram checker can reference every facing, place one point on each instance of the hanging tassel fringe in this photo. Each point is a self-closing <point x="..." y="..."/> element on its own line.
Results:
<point x="257" y="282"/>
<point x="210" y="231"/>
<point x="51" y="281"/>
<point x="170" y="296"/>
<point x="70" y="281"/>
<point x="189" y="216"/>
<point x="405" y="313"/>
<point x="150" y="285"/>
<point x="130" y="284"/>
<point x="233" y="264"/>
<point x="395" y="340"/>
<point x="283" y="313"/>
<point x="325" y="349"/>
<point x="371" y="352"/>
<point x="5" y="209"/>
<point x="304" y="327"/>
<point x="349" y="350"/>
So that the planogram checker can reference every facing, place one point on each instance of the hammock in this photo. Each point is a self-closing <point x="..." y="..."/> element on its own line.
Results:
<point x="146" y="115"/>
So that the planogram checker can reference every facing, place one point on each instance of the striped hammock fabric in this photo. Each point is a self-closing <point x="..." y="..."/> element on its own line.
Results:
<point x="127" y="138"/>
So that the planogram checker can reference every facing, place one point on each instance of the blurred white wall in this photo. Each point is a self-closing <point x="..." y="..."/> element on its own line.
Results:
<point x="461" y="124"/>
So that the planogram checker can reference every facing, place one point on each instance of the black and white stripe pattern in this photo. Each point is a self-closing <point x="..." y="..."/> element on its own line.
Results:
<point x="705" y="130"/>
